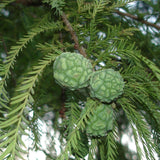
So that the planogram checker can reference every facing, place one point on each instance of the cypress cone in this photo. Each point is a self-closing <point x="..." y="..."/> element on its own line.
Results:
<point x="101" y="121"/>
<point x="72" y="70"/>
<point x="106" y="85"/>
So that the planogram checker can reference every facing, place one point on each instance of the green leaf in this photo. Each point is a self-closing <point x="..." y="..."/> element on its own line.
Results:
<point x="20" y="141"/>
<point x="9" y="122"/>
<point x="24" y="87"/>
<point x="7" y="151"/>
<point x="4" y="105"/>
<point x="16" y="110"/>
<point x="19" y="96"/>
<point x="111" y="146"/>
<point x="10" y="139"/>
<point x="142" y="128"/>
<point x="8" y="134"/>
<point x="18" y="154"/>
<point x="25" y="120"/>
<point x="19" y="149"/>
<point x="23" y="132"/>
<point x="151" y="65"/>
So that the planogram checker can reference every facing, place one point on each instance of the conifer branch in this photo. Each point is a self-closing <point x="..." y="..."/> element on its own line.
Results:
<point x="138" y="19"/>
<point x="21" y="44"/>
<point x="70" y="27"/>
<point x="139" y="99"/>
<point x="79" y="124"/>
<point x="6" y="51"/>
<point x="16" y="116"/>
<point x="141" y="127"/>
<point x="74" y="36"/>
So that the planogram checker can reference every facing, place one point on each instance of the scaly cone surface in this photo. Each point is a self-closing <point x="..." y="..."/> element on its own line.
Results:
<point x="101" y="121"/>
<point x="72" y="70"/>
<point x="106" y="85"/>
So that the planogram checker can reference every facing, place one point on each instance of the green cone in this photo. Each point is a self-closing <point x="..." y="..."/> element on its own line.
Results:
<point x="106" y="85"/>
<point x="72" y="70"/>
<point x="101" y="121"/>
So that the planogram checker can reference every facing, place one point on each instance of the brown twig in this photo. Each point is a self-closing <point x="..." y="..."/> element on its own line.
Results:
<point x="81" y="49"/>
<point x="63" y="97"/>
<point x="137" y="19"/>
<point x="74" y="36"/>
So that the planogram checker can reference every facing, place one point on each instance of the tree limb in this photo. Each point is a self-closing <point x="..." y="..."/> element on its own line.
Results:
<point x="137" y="19"/>
<point x="37" y="3"/>
<point x="6" y="51"/>
<point x="74" y="36"/>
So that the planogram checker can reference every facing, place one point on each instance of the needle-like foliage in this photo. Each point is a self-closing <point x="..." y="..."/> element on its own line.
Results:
<point x="29" y="93"/>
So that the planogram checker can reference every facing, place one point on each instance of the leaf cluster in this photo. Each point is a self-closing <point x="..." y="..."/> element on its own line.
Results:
<point x="108" y="44"/>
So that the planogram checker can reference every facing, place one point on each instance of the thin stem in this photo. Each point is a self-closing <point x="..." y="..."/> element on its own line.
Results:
<point x="74" y="36"/>
<point x="137" y="19"/>
<point x="66" y="21"/>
